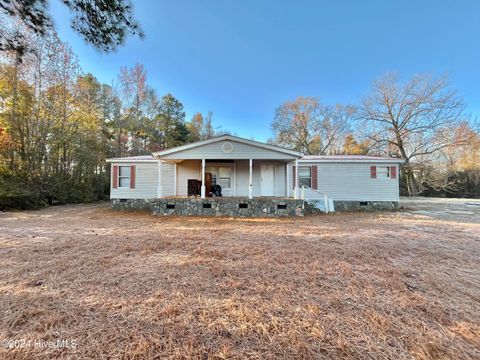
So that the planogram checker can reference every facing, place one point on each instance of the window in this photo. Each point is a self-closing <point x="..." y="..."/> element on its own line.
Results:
<point x="221" y="175"/>
<point x="124" y="176"/>
<point x="383" y="171"/>
<point x="305" y="176"/>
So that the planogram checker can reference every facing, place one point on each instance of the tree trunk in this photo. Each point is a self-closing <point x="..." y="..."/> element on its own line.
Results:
<point x="412" y="187"/>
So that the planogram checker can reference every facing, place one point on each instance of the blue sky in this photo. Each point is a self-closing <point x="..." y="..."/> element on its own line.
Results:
<point x="241" y="59"/>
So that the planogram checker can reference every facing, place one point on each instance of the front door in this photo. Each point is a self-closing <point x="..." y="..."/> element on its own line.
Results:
<point x="267" y="180"/>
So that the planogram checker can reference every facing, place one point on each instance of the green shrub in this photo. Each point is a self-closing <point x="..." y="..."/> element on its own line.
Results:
<point x="19" y="193"/>
<point x="16" y="193"/>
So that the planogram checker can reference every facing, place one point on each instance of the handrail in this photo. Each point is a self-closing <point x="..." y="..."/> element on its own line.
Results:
<point x="325" y="196"/>
<point x="314" y="190"/>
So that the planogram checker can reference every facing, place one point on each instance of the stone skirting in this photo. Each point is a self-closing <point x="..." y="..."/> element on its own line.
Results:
<point x="215" y="206"/>
<point x="341" y="205"/>
<point x="243" y="207"/>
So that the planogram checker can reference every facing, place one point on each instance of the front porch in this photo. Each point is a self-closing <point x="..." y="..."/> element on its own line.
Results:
<point x="250" y="178"/>
<point x="216" y="206"/>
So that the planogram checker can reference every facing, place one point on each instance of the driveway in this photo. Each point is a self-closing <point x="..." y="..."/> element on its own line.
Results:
<point x="463" y="210"/>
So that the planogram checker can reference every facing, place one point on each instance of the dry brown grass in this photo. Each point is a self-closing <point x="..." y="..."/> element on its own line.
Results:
<point x="129" y="285"/>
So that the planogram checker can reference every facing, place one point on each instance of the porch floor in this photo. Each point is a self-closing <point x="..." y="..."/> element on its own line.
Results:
<point x="230" y="197"/>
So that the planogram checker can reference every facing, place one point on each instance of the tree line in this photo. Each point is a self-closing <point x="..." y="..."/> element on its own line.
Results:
<point x="421" y="121"/>
<point x="59" y="124"/>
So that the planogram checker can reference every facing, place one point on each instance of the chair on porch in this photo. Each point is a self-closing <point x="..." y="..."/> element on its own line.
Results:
<point x="194" y="187"/>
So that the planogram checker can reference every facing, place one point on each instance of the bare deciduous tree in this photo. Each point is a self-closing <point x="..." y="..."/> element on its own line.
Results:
<point x="412" y="120"/>
<point x="140" y="105"/>
<point x="311" y="127"/>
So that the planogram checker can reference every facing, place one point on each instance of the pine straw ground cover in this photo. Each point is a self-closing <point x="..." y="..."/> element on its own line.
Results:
<point x="130" y="285"/>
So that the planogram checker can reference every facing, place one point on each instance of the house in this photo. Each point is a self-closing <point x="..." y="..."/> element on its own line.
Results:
<point x="256" y="179"/>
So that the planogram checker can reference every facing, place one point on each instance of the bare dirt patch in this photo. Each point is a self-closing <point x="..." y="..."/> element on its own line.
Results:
<point x="130" y="285"/>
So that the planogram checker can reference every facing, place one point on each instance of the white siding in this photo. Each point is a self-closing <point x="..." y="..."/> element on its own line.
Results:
<point x="242" y="177"/>
<point x="256" y="178"/>
<point x="240" y="151"/>
<point x="167" y="179"/>
<point x="340" y="181"/>
<point x="190" y="169"/>
<point x="290" y="179"/>
<point x="146" y="182"/>
<point x="351" y="182"/>
<point x="231" y="165"/>
<point x="280" y="180"/>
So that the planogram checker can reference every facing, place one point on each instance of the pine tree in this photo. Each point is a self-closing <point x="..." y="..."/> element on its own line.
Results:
<point x="170" y="121"/>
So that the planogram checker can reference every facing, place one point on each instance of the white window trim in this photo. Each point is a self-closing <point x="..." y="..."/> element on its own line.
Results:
<point x="381" y="172"/>
<point x="124" y="176"/>
<point x="305" y="177"/>
<point x="232" y="173"/>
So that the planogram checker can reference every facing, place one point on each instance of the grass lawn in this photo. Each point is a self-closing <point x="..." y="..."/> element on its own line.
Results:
<point x="130" y="285"/>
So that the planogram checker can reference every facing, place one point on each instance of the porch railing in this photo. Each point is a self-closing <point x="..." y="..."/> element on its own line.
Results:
<point x="325" y="197"/>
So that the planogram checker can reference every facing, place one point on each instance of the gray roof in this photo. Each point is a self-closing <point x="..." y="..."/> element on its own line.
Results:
<point x="348" y="158"/>
<point x="326" y="158"/>
<point x="133" y="158"/>
<point x="140" y="157"/>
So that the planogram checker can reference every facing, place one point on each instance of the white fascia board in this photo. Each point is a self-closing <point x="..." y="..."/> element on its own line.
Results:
<point x="130" y="161"/>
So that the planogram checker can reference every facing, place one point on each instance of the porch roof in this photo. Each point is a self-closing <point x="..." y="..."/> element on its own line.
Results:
<point x="228" y="147"/>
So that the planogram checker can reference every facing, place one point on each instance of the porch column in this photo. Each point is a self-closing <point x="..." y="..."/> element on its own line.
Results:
<point x="295" y="190"/>
<point x="202" y="189"/>
<point x="250" y="185"/>
<point x="175" y="179"/>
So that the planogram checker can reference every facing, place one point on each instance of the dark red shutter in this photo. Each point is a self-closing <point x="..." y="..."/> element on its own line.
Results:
<point x="314" y="177"/>
<point x="393" y="172"/>
<point x="132" y="177"/>
<point x="373" y="172"/>
<point x="294" y="177"/>
<point x="115" y="176"/>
